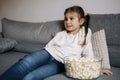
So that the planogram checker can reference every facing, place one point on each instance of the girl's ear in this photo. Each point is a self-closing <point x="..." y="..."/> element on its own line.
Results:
<point x="82" y="20"/>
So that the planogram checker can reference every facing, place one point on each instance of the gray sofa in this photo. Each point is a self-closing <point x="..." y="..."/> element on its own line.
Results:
<point x="34" y="36"/>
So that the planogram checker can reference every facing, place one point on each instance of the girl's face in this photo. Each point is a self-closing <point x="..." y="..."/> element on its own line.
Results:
<point x="72" y="22"/>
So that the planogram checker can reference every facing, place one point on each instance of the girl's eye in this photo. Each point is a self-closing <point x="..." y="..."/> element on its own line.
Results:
<point x="71" y="18"/>
<point x="66" y="19"/>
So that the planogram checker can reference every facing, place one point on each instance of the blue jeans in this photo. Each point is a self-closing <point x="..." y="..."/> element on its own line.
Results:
<point x="35" y="66"/>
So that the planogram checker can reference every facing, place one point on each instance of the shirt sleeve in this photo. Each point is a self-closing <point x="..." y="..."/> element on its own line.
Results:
<point x="53" y="41"/>
<point x="87" y="49"/>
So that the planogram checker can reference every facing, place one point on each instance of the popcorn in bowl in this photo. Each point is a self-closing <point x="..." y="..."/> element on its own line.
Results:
<point x="82" y="68"/>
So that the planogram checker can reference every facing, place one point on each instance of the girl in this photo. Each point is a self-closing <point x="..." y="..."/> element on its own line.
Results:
<point x="75" y="40"/>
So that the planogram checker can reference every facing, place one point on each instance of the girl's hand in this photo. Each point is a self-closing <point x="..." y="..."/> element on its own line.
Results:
<point x="105" y="71"/>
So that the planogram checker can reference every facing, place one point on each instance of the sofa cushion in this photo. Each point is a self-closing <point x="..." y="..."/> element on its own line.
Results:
<point x="114" y="52"/>
<point x="111" y="24"/>
<point x="30" y="36"/>
<point x="7" y="44"/>
<point x="100" y="48"/>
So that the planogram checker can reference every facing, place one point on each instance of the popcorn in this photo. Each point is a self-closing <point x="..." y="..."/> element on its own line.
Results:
<point x="82" y="68"/>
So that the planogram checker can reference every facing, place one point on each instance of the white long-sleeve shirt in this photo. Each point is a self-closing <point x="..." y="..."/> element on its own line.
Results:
<point x="64" y="45"/>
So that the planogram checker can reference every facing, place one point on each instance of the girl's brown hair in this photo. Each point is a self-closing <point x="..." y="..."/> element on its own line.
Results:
<point x="81" y="13"/>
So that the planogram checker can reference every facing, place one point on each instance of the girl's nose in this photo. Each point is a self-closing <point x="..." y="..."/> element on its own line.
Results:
<point x="68" y="21"/>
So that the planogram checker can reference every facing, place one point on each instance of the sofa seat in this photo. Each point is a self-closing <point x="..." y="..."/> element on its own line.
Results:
<point x="8" y="59"/>
<point x="115" y="76"/>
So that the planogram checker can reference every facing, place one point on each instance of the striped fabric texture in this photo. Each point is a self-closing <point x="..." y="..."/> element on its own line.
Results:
<point x="100" y="48"/>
